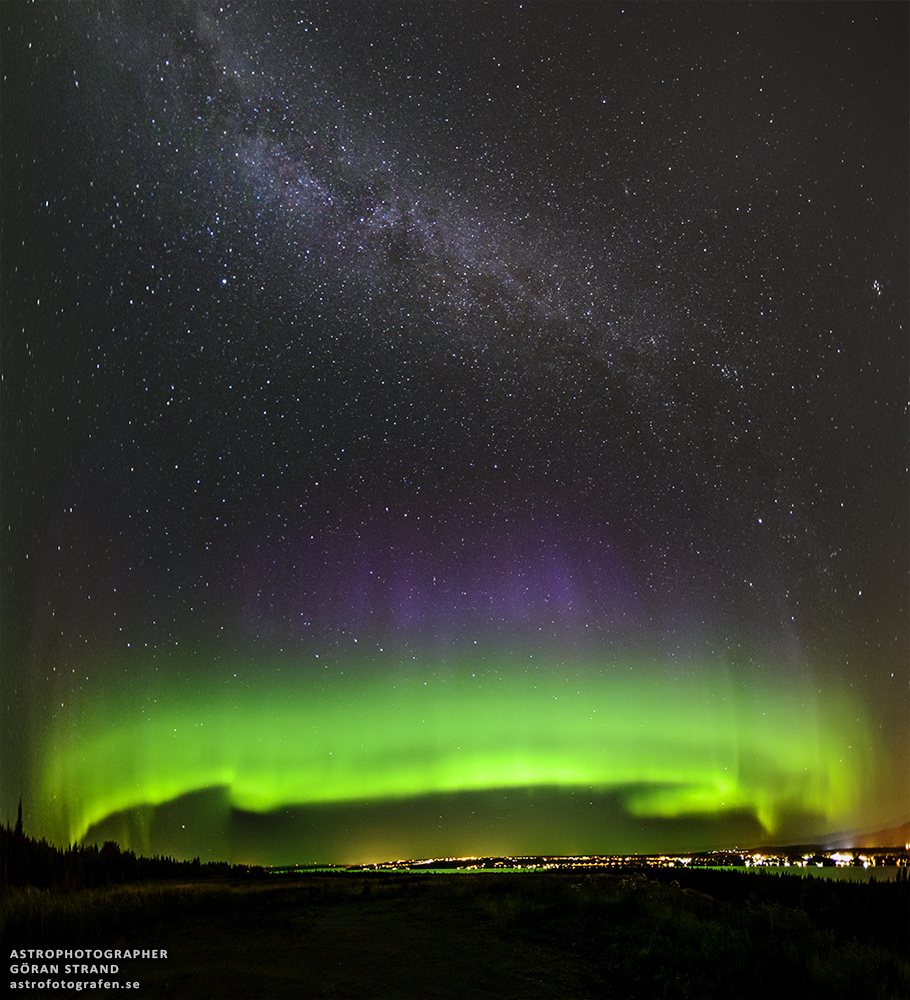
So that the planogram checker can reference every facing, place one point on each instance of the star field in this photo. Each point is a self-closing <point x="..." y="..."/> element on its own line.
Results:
<point x="467" y="349"/>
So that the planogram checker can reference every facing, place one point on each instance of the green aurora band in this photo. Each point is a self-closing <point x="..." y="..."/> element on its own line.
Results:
<point x="690" y="743"/>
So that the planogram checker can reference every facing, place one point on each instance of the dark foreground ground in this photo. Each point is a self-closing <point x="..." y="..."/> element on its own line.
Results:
<point x="523" y="936"/>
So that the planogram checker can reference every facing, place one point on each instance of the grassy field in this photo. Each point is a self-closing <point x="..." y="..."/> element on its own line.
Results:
<point x="545" y="935"/>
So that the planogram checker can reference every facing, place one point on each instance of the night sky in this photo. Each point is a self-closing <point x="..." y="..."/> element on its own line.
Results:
<point x="453" y="428"/>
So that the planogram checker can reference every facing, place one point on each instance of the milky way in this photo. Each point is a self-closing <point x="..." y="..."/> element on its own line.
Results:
<point x="375" y="376"/>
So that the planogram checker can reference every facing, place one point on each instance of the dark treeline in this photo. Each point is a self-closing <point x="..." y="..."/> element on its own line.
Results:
<point x="25" y="861"/>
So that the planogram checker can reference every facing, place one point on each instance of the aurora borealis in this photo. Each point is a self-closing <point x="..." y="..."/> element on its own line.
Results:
<point x="678" y="745"/>
<point x="454" y="428"/>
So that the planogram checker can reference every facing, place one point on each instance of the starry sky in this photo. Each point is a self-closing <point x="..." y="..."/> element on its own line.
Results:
<point x="455" y="428"/>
